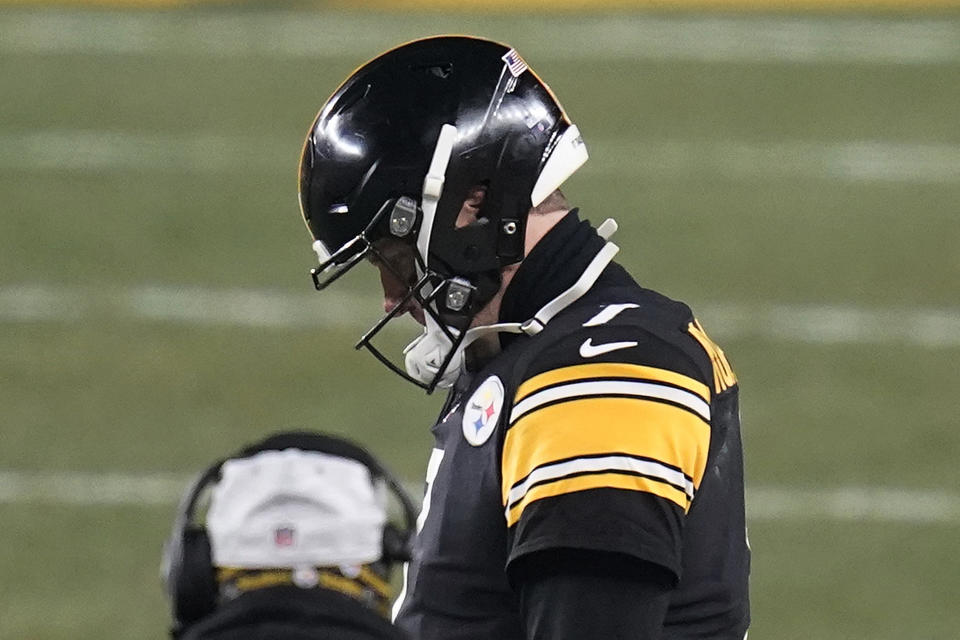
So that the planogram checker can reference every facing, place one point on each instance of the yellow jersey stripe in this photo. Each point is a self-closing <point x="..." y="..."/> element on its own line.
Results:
<point x="596" y="481"/>
<point x="597" y="426"/>
<point x="375" y="582"/>
<point x="611" y="370"/>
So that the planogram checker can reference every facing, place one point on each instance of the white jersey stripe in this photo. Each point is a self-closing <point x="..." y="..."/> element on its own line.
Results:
<point x="613" y="463"/>
<point x="608" y="313"/>
<point x="636" y="389"/>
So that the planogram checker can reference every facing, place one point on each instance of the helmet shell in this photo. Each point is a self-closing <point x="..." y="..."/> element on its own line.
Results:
<point x="375" y="137"/>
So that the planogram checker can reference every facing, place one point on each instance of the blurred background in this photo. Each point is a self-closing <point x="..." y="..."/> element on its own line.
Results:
<point x="790" y="169"/>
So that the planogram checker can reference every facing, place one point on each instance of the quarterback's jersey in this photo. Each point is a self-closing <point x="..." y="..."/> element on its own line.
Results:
<point x="615" y="429"/>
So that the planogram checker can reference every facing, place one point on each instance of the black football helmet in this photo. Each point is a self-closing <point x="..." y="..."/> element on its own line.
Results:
<point x="395" y="152"/>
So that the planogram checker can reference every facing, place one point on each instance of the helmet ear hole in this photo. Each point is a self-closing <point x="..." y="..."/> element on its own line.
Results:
<point x="510" y="243"/>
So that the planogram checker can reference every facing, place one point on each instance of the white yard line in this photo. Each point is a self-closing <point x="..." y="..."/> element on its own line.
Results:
<point x="163" y="489"/>
<point x="874" y="504"/>
<point x="198" y="306"/>
<point x="725" y="38"/>
<point x="857" y="161"/>
<point x="186" y="305"/>
<point x="107" y="151"/>
<point x="89" y="488"/>
<point x="852" y="161"/>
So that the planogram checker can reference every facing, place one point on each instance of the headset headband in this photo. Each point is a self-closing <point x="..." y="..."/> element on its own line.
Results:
<point x="305" y="441"/>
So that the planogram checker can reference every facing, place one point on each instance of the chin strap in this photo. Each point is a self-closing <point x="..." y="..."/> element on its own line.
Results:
<point x="433" y="187"/>
<point x="424" y="358"/>
<point x="426" y="354"/>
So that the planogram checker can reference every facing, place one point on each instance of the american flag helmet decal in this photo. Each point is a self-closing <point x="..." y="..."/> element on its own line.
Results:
<point x="514" y="62"/>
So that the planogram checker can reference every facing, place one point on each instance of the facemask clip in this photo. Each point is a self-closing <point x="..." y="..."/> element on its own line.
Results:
<point x="403" y="217"/>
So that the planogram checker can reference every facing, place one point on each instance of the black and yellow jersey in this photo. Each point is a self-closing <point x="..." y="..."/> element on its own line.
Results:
<point x="614" y="429"/>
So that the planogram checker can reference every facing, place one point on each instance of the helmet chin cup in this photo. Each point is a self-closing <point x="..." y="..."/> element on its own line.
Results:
<point x="428" y="358"/>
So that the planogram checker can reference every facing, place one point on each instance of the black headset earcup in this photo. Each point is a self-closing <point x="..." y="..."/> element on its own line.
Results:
<point x="193" y="585"/>
<point x="396" y="544"/>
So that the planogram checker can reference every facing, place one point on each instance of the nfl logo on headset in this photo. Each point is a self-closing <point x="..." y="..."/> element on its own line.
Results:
<point x="283" y="536"/>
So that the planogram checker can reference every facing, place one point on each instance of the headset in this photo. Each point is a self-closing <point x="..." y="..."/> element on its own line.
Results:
<point x="187" y="568"/>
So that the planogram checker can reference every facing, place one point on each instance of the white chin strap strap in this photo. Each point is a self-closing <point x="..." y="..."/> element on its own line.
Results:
<point x="425" y="355"/>
<point x="433" y="187"/>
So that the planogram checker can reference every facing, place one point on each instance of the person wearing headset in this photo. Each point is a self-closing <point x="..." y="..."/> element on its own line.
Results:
<point x="289" y="539"/>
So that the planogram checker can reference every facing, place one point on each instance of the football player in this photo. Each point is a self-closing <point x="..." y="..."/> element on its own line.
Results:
<point x="587" y="479"/>
<point x="289" y="539"/>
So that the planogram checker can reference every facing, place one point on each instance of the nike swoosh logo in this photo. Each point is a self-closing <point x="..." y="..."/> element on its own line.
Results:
<point x="589" y="350"/>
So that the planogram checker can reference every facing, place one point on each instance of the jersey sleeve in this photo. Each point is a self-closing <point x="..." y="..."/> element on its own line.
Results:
<point x="605" y="447"/>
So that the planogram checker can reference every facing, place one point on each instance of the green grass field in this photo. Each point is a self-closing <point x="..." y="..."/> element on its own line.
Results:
<point x="796" y="178"/>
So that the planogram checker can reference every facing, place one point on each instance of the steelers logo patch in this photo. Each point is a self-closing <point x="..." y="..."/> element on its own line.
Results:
<point x="483" y="411"/>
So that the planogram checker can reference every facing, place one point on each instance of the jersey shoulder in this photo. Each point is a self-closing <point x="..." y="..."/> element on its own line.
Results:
<point x="608" y="428"/>
<point x="627" y="326"/>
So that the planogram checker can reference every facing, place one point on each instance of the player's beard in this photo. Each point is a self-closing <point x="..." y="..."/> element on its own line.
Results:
<point x="486" y="347"/>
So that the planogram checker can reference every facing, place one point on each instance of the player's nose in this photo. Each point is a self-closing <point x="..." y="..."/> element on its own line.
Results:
<point x="393" y="289"/>
<point x="394" y="293"/>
